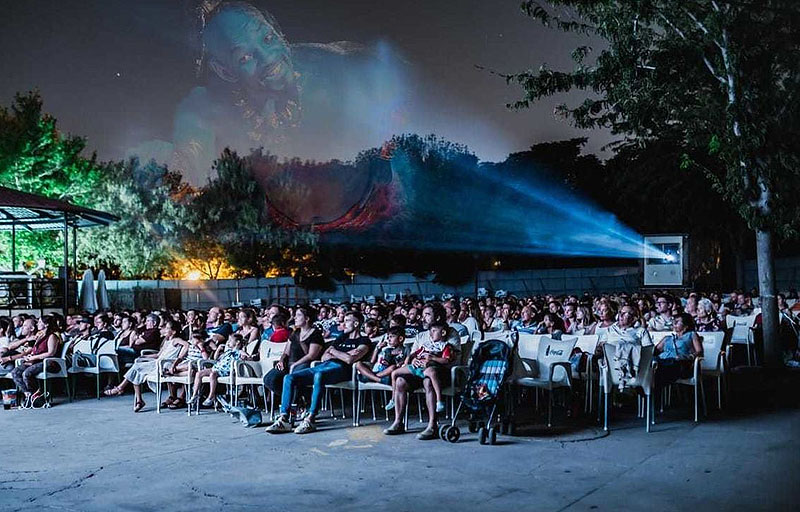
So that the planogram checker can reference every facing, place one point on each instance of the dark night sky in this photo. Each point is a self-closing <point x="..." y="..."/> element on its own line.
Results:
<point x="114" y="70"/>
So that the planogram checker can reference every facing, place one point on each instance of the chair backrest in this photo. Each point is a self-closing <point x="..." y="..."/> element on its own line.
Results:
<point x="82" y="346"/>
<point x="268" y="353"/>
<point x="734" y="321"/>
<point x="644" y="376"/>
<point x="251" y="346"/>
<point x="497" y="335"/>
<point x="587" y="343"/>
<point x="554" y="351"/>
<point x="528" y="345"/>
<point x="712" y="350"/>
<point x="105" y="347"/>
<point x="657" y="336"/>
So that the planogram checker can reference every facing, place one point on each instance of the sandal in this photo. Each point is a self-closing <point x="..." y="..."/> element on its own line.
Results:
<point x="177" y="404"/>
<point x="138" y="406"/>
<point x="168" y="402"/>
<point x="115" y="391"/>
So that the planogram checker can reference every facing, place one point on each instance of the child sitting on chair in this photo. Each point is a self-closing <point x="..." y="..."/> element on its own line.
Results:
<point x="233" y="351"/>
<point x="430" y="355"/>
<point x="388" y="355"/>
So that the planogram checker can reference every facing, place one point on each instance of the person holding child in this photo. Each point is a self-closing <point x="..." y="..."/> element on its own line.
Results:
<point x="427" y="366"/>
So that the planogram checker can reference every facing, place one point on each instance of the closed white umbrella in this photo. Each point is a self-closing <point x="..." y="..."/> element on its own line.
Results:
<point x="88" y="300"/>
<point x="103" y="302"/>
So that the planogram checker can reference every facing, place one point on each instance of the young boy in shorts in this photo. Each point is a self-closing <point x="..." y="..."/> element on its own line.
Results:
<point x="388" y="355"/>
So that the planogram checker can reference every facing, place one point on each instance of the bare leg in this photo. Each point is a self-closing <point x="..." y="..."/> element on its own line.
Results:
<point x="430" y="373"/>
<point x="367" y="372"/>
<point x="399" y="395"/>
<point x="212" y="383"/>
<point x="430" y="400"/>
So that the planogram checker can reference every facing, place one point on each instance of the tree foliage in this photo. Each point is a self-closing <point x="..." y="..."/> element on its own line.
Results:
<point x="721" y="78"/>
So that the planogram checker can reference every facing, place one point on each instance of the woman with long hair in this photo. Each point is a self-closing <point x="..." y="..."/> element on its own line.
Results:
<point x="305" y="345"/>
<point x="46" y="345"/>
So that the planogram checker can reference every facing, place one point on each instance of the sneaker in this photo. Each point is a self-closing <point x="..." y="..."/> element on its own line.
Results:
<point x="280" y="426"/>
<point x="440" y="406"/>
<point x="389" y="405"/>
<point x="394" y="430"/>
<point x="306" y="427"/>
<point x="427" y="434"/>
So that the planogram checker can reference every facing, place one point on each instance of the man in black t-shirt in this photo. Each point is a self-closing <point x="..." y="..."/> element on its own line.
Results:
<point x="336" y="366"/>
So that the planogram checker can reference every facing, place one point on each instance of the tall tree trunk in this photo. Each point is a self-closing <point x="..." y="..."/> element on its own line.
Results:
<point x="769" y="303"/>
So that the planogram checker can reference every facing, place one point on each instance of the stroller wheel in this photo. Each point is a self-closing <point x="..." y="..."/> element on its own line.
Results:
<point x="482" y="435"/>
<point x="473" y="427"/>
<point x="443" y="431"/>
<point x="492" y="435"/>
<point x="452" y="434"/>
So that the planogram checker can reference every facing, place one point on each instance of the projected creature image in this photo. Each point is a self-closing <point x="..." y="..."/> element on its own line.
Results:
<point x="284" y="103"/>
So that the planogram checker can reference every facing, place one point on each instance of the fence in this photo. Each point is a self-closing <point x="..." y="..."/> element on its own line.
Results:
<point x="205" y="294"/>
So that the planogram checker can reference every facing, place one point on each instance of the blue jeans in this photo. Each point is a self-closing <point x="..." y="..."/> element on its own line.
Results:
<point x="329" y="372"/>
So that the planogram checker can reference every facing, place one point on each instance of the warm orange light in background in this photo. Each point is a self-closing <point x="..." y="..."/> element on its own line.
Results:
<point x="194" y="275"/>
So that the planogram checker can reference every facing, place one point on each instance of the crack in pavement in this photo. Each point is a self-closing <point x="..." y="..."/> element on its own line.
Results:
<point x="73" y="485"/>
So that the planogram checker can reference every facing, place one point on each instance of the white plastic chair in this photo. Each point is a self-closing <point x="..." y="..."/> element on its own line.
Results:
<point x="103" y="359"/>
<point x="44" y="375"/>
<point x="551" y="369"/>
<point x="742" y="333"/>
<point x="713" y="364"/>
<point x="587" y="343"/>
<point x="609" y="380"/>
<point x="251" y="373"/>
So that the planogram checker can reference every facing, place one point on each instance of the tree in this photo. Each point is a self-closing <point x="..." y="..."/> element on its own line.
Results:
<point x="36" y="157"/>
<point x="153" y="206"/>
<point x="230" y="223"/>
<point x="721" y="77"/>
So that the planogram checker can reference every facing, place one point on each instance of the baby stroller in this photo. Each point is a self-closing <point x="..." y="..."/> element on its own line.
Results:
<point x="488" y="370"/>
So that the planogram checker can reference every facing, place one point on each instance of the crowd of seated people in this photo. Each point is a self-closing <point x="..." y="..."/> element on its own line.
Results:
<point x="406" y="344"/>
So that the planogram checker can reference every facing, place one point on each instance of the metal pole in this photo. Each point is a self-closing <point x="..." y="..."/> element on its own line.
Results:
<point x="74" y="248"/>
<point x="13" y="246"/>
<point x="66" y="265"/>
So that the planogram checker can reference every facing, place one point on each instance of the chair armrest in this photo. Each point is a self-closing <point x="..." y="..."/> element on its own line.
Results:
<point x="698" y="368"/>
<point x="567" y="368"/>
<point x="455" y="371"/>
<point x="204" y="363"/>
<point x="529" y="366"/>
<point x="148" y="352"/>
<point x="60" y="361"/>
<point x="113" y="357"/>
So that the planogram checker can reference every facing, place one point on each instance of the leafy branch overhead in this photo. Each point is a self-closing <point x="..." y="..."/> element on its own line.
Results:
<point x="719" y="77"/>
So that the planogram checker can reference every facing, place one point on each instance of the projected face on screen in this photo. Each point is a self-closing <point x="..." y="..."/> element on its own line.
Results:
<point x="246" y="50"/>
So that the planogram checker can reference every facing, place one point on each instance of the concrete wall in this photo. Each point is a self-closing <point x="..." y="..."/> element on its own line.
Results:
<point x="204" y="294"/>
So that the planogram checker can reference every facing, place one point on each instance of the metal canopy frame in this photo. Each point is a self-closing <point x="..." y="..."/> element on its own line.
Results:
<point x="33" y="212"/>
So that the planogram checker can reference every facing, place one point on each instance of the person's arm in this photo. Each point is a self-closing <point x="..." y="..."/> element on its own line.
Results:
<point x="697" y="345"/>
<point x="281" y="363"/>
<point x="351" y="356"/>
<point x="314" y="351"/>
<point x="52" y="348"/>
<point x="387" y="371"/>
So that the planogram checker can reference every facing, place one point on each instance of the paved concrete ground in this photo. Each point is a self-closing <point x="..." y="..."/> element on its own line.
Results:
<point x="98" y="455"/>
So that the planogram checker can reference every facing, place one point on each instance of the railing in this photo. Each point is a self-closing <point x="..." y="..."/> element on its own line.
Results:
<point x="21" y="292"/>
